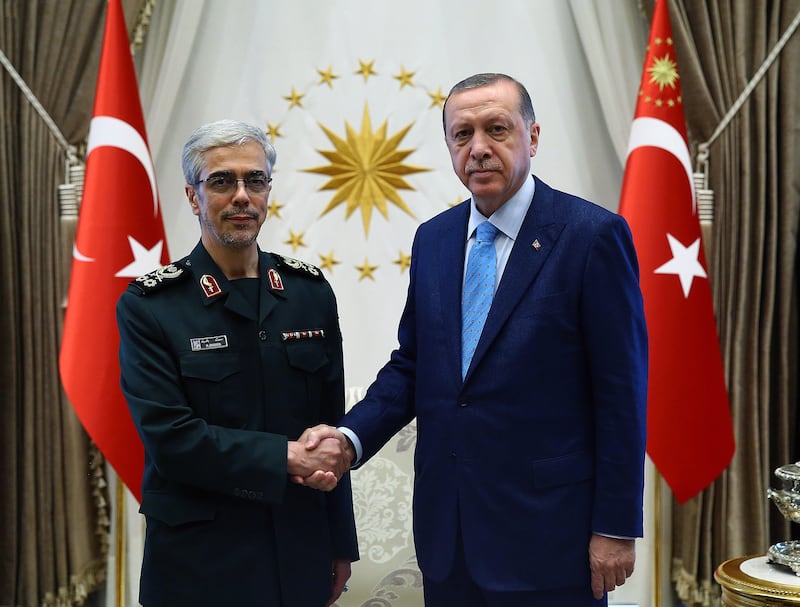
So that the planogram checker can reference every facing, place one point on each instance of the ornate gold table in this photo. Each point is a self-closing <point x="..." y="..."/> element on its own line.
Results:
<point x="752" y="581"/>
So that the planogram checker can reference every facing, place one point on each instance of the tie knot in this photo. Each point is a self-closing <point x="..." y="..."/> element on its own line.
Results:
<point x="486" y="232"/>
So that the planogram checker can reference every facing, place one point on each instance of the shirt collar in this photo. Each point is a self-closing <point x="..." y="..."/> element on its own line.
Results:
<point x="509" y="217"/>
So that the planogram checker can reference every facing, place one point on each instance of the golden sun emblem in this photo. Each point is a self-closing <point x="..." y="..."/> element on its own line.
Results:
<point x="366" y="170"/>
<point x="664" y="72"/>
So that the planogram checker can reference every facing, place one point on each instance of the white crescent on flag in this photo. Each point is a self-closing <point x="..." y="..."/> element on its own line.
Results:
<point x="113" y="132"/>
<point x="110" y="131"/>
<point x="660" y="134"/>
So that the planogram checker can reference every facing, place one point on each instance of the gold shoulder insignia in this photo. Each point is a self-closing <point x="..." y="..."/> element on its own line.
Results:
<point x="298" y="266"/>
<point x="158" y="279"/>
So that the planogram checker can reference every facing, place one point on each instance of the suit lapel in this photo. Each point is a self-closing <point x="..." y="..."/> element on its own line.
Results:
<point x="452" y="239"/>
<point x="524" y="264"/>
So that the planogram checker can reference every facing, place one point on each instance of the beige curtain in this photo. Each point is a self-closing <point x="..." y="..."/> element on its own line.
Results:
<point x="753" y="256"/>
<point x="51" y="505"/>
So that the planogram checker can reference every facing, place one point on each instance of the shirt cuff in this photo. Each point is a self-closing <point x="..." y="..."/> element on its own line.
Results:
<point x="356" y="444"/>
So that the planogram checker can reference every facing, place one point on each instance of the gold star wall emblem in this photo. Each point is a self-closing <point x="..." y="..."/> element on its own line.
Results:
<point x="327" y="76"/>
<point x="437" y="98"/>
<point x="365" y="69"/>
<point x="328" y="261"/>
<point x="366" y="270"/>
<point x="366" y="170"/>
<point x="294" y="99"/>
<point x="404" y="261"/>
<point x="295" y="240"/>
<point x="405" y="77"/>
<point x="273" y="130"/>
<point x="274" y="209"/>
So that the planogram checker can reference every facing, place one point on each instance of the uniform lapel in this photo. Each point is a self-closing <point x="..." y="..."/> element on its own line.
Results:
<point x="272" y="283"/>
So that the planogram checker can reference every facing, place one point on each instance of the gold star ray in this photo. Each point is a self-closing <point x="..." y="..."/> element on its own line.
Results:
<point x="366" y="169"/>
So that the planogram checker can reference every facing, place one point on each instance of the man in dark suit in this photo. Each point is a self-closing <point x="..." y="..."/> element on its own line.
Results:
<point x="529" y="459"/>
<point x="226" y="356"/>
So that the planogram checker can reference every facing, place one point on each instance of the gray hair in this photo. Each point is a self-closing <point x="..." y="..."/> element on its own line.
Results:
<point x="222" y="133"/>
<point x="480" y="80"/>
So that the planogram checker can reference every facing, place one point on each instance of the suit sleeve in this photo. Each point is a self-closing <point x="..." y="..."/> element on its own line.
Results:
<point x="616" y="340"/>
<point x="388" y="405"/>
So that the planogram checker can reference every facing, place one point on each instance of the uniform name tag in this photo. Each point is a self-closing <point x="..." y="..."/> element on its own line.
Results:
<point x="208" y="343"/>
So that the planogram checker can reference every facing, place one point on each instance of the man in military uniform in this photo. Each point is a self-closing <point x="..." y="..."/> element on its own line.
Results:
<point x="227" y="356"/>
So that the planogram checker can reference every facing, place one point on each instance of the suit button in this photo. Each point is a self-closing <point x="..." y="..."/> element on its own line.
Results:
<point x="463" y="404"/>
<point x="262" y="335"/>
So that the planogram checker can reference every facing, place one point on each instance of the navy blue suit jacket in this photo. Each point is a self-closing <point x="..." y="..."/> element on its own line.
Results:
<point x="542" y="443"/>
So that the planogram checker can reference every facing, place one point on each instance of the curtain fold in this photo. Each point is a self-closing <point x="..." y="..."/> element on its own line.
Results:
<point x="51" y="546"/>
<point x="752" y="253"/>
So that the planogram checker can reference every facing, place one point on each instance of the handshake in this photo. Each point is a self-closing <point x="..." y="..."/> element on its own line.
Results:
<point x="319" y="458"/>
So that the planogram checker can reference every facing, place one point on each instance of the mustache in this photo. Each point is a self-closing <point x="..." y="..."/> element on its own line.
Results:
<point x="482" y="166"/>
<point x="249" y="212"/>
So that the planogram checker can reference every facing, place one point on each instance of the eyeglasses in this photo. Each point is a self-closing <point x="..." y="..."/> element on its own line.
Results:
<point x="226" y="183"/>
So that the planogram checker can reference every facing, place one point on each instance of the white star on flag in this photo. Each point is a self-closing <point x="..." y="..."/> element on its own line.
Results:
<point x="683" y="264"/>
<point x="145" y="260"/>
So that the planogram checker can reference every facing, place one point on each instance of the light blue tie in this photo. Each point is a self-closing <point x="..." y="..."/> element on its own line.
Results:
<point x="478" y="291"/>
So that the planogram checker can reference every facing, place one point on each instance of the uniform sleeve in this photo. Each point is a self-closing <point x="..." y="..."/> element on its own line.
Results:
<point x="339" y="501"/>
<point x="182" y="447"/>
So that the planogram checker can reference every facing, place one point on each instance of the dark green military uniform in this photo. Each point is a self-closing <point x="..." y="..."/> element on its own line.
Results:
<point x="218" y="376"/>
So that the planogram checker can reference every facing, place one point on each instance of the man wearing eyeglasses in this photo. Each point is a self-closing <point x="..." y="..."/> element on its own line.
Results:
<point x="226" y="356"/>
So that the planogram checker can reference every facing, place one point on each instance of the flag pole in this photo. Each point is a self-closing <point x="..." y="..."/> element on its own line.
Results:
<point x="119" y="544"/>
<point x="657" y="537"/>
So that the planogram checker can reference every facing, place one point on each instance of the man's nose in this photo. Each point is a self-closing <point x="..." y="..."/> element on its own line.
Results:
<point x="480" y="146"/>
<point x="240" y="194"/>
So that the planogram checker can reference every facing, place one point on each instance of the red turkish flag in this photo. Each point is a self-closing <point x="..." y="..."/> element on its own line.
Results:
<point x="689" y="429"/>
<point x="120" y="236"/>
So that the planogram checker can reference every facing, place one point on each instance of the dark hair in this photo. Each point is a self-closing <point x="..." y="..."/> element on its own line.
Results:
<point x="480" y="80"/>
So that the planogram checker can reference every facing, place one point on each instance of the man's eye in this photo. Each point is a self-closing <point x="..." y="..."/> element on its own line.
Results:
<point x="219" y="181"/>
<point x="258" y="182"/>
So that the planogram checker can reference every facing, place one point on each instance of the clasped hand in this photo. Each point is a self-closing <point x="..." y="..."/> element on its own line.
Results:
<point x="319" y="458"/>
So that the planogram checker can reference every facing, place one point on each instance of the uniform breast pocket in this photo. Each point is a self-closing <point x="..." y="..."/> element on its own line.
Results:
<point x="308" y="361"/>
<point x="213" y="387"/>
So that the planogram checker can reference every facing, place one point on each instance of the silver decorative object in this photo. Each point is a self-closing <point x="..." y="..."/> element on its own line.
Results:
<point x="787" y="499"/>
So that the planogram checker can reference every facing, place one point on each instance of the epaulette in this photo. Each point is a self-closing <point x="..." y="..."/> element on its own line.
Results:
<point x="298" y="266"/>
<point x="158" y="279"/>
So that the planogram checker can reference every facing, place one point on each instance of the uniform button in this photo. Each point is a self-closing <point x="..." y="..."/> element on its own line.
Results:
<point x="262" y="335"/>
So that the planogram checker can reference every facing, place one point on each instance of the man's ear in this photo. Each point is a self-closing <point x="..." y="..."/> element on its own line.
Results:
<point x="535" y="129"/>
<point x="191" y="194"/>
